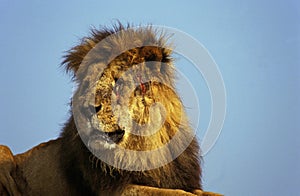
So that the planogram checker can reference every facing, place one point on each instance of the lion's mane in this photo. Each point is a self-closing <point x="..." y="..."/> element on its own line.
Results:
<point x="88" y="174"/>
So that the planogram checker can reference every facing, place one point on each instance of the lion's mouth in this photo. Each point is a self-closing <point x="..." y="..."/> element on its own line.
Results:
<point x="105" y="140"/>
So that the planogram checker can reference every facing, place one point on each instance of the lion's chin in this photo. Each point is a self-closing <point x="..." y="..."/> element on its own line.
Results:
<point x="101" y="145"/>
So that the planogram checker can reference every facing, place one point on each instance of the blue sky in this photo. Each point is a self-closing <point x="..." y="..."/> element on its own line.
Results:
<point x="256" y="45"/>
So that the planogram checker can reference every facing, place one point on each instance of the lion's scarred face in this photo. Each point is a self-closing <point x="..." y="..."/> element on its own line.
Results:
<point x="126" y="97"/>
<point x="127" y="103"/>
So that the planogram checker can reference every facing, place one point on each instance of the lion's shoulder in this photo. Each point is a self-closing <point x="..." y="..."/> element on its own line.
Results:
<point x="41" y="170"/>
<point x="42" y="146"/>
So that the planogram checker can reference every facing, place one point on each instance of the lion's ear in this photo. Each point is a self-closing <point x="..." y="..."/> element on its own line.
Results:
<point x="155" y="53"/>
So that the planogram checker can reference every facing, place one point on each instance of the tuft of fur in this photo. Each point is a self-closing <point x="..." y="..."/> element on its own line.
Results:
<point x="104" y="66"/>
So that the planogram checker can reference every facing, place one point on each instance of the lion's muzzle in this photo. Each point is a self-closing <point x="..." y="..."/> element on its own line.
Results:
<point x="105" y="140"/>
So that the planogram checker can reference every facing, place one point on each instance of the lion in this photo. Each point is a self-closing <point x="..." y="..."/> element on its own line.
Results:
<point x="127" y="133"/>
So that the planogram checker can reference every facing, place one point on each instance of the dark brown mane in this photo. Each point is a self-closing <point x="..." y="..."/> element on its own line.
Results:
<point x="88" y="175"/>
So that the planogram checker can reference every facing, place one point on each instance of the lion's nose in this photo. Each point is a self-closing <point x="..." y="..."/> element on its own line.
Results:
<point x="117" y="135"/>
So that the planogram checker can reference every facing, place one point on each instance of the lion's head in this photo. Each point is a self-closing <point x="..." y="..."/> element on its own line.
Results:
<point x="126" y="104"/>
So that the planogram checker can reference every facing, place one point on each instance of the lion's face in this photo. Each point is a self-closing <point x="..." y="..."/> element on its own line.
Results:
<point x="127" y="104"/>
<point x="126" y="99"/>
